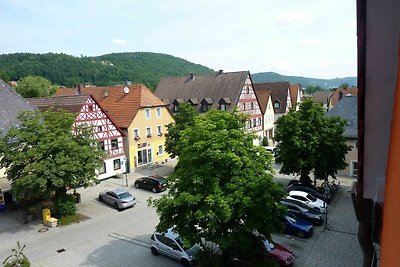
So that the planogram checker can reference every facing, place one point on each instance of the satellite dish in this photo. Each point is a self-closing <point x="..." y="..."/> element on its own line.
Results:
<point x="126" y="90"/>
<point x="105" y="93"/>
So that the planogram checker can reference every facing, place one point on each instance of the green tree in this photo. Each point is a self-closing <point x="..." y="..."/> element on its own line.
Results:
<point x="309" y="141"/>
<point x="183" y="119"/>
<point x="35" y="86"/>
<point x="312" y="89"/>
<point x="344" y="86"/>
<point x="48" y="153"/>
<point x="222" y="190"/>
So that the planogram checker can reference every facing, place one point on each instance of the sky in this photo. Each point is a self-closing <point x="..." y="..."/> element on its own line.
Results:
<point x="310" y="38"/>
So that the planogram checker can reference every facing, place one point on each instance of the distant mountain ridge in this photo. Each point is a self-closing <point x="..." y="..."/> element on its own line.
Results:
<point x="264" y="77"/>
<point x="109" y="69"/>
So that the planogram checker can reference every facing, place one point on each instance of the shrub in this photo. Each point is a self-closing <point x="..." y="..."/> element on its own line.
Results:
<point x="17" y="258"/>
<point x="65" y="205"/>
<point x="265" y="141"/>
<point x="69" y="219"/>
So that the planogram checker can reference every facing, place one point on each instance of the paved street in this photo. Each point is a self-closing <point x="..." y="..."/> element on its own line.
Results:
<point x="112" y="238"/>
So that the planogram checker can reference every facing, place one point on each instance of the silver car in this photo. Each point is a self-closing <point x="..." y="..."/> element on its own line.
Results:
<point x="170" y="244"/>
<point x="119" y="198"/>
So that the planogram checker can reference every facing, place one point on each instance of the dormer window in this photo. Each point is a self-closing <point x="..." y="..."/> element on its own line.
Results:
<point x="277" y="104"/>
<point x="205" y="104"/>
<point x="224" y="102"/>
<point x="176" y="107"/>
<point x="176" y="104"/>
<point x="193" y="101"/>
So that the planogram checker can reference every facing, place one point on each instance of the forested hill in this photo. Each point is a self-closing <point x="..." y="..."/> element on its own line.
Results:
<point x="264" y="77"/>
<point x="110" y="69"/>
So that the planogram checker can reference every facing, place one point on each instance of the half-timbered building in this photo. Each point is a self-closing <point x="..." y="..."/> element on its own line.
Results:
<point x="140" y="115"/>
<point x="89" y="111"/>
<point x="222" y="90"/>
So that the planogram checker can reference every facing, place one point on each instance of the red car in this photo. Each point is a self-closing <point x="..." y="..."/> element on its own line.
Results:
<point x="280" y="253"/>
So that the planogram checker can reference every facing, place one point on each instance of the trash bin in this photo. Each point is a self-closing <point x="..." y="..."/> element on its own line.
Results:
<point x="2" y="208"/>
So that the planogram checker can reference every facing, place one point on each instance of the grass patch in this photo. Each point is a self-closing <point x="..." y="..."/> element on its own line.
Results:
<point x="75" y="218"/>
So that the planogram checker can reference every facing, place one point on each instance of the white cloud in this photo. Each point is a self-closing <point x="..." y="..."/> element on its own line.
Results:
<point x="119" y="41"/>
<point x="293" y="17"/>
<point x="310" y="42"/>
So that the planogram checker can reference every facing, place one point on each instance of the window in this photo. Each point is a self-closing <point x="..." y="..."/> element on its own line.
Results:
<point x="148" y="132"/>
<point x="90" y="108"/>
<point x="259" y="121"/>
<point x="356" y="145"/>
<point x="160" y="150"/>
<point x="247" y="90"/>
<point x="117" y="164"/>
<point x="159" y="130"/>
<point x="102" y="169"/>
<point x="99" y="129"/>
<point x="249" y="124"/>
<point x="114" y="143"/>
<point x="136" y="134"/>
<point x="252" y="105"/>
<point x="222" y="106"/>
<point x="176" y="107"/>
<point x="101" y="143"/>
<point x="147" y="112"/>
<point x="254" y="122"/>
<point x="204" y="107"/>
<point x="158" y="110"/>
<point x="244" y="106"/>
<point x="277" y="104"/>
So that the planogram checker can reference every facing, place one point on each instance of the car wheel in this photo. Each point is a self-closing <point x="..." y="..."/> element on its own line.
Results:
<point x="116" y="206"/>
<point x="185" y="262"/>
<point x="154" y="190"/>
<point x="154" y="251"/>
<point x="100" y="198"/>
<point x="137" y="185"/>
<point x="300" y="234"/>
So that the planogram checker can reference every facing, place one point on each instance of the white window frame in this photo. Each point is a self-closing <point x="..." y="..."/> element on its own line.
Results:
<point x="138" y="133"/>
<point x="158" y="112"/>
<point x="147" y="112"/>
<point x="162" y="150"/>
<point x="148" y="132"/>
<point x="159" y="130"/>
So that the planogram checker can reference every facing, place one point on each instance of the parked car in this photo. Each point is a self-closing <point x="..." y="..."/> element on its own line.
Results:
<point x="283" y="255"/>
<point x="297" y="226"/>
<point x="171" y="245"/>
<point x="155" y="183"/>
<point x="119" y="198"/>
<point x="309" y="200"/>
<point x="300" y="210"/>
<point x="312" y="190"/>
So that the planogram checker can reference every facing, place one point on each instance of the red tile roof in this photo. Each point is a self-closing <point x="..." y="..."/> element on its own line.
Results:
<point x="119" y="103"/>
<point x="263" y="96"/>
<point x="348" y="91"/>
<point x="294" y="91"/>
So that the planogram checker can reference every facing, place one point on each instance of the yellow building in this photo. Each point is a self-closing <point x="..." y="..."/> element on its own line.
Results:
<point x="140" y="114"/>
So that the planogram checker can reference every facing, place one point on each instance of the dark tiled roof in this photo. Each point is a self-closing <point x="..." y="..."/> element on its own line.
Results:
<point x="209" y="88"/>
<point x="279" y="91"/>
<point x="294" y="91"/>
<point x="11" y="103"/>
<point x="120" y="106"/>
<point x="339" y="91"/>
<point x="346" y="109"/>
<point x="69" y="103"/>
<point x="322" y="97"/>
<point x="263" y="96"/>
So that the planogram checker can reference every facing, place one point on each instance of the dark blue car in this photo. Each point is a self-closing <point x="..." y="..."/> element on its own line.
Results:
<point x="297" y="226"/>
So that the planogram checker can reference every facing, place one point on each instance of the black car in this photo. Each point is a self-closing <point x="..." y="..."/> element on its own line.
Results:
<point x="312" y="190"/>
<point x="155" y="183"/>
<point x="302" y="211"/>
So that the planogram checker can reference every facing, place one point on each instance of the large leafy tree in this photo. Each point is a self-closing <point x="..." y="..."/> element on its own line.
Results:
<point x="47" y="153"/>
<point x="35" y="86"/>
<point x="183" y="119"/>
<point x="222" y="190"/>
<point x="309" y="141"/>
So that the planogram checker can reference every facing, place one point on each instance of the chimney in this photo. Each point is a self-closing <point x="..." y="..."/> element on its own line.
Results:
<point x="220" y="72"/>
<point x="79" y="89"/>
<point x="128" y="83"/>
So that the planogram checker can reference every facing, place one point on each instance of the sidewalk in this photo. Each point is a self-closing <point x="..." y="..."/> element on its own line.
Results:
<point x="337" y="245"/>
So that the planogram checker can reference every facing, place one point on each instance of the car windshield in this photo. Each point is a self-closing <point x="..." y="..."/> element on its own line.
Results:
<point x="268" y="245"/>
<point x="161" y="180"/>
<point x="311" y="197"/>
<point x="124" y="195"/>
<point x="179" y="241"/>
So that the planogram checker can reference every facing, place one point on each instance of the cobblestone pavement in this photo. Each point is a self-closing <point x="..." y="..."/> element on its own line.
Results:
<point x="112" y="238"/>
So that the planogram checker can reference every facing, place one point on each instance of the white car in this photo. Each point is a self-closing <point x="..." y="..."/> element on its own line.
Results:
<point x="309" y="200"/>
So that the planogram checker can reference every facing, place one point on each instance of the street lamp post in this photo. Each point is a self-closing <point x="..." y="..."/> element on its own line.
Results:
<point x="125" y="160"/>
